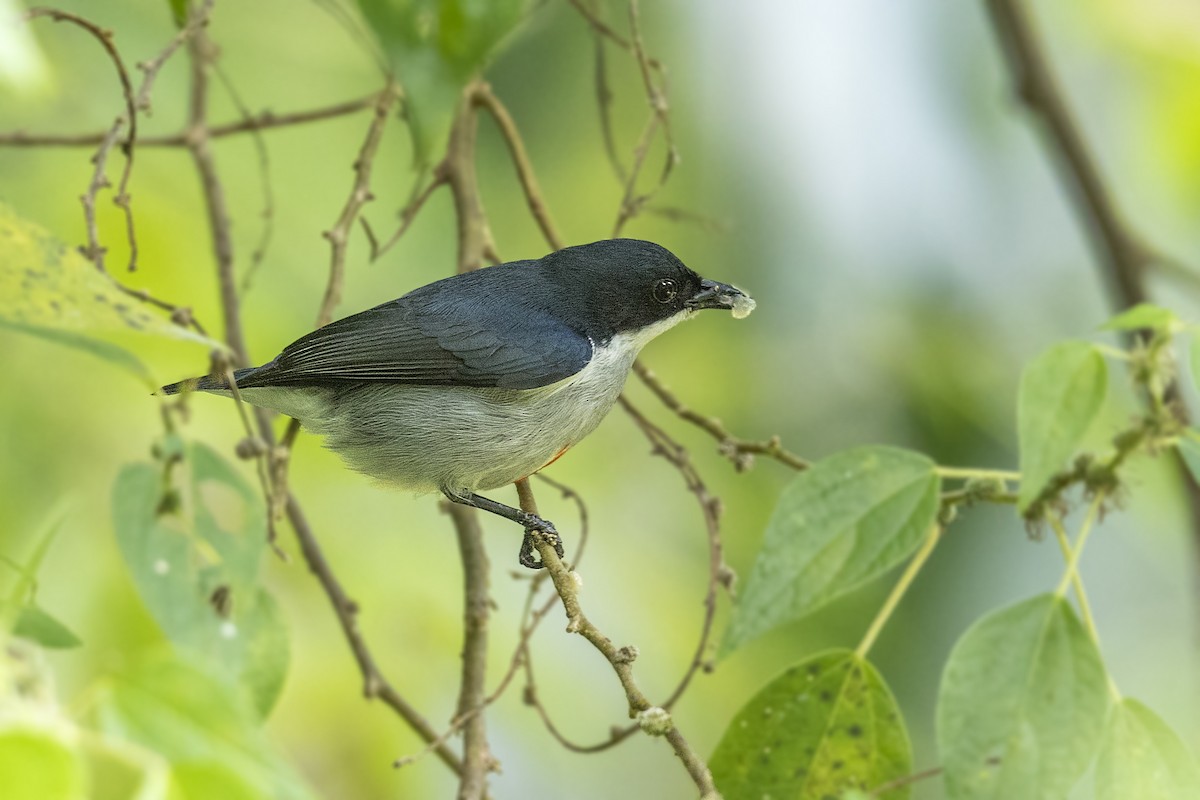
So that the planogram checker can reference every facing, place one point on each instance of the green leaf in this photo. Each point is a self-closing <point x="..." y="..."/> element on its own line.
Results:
<point x="1143" y="758"/>
<point x="178" y="561"/>
<point x="36" y="764"/>
<point x="842" y="522"/>
<point x="1144" y="316"/>
<point x="35" y="624"/>
<point x="1060" y="395"/>
<point x="1022" y="704"/>
<point x="208" y="733"/>
<point x="826" y="725"/>
<point x="436" y="47"/>
<point x="49" y="290"/>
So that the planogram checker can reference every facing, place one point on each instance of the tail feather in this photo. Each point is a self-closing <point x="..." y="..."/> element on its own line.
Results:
<point x="206" y="383"/>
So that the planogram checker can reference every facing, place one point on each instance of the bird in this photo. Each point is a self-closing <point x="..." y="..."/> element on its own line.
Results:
<point x="484" y="378"/>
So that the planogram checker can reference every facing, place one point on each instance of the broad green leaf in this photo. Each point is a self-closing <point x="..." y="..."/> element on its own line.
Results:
<point x="178" y="561"/>
<point x="35" y="624"/>
<point x="1060" y="395"/>
<point x="826" y="725"/>
<point x="845" y="520"/>
<point x="208" y="732"/>
<point x="436" y="47"/>
<point x="1143" y="316"/>
<point x="1022" y="704"/>
<point x="1143" y="758"/>
<point x="48" y="289"/>
<point x="36" y="764"/>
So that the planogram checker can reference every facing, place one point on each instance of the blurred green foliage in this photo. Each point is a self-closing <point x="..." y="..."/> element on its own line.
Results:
<point x="890" y="330"/>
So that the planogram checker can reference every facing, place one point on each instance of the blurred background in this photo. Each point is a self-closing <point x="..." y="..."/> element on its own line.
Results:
<point x="872" y="181"/>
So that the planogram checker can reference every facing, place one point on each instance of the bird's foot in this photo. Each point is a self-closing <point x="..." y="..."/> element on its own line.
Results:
<point x="535" y="526"/>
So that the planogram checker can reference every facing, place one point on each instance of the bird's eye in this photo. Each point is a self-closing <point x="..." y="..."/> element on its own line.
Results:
<point x="665" y="290"/>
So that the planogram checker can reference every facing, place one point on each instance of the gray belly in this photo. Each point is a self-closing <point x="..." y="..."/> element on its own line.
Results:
<point x="429" y="438"/>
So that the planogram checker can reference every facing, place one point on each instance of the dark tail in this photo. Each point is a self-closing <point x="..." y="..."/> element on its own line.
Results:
<point x="206" y="383"/>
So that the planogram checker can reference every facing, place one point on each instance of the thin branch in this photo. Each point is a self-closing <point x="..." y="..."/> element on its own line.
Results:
<point x="151" y="68"/>
<point x="95" y="252"/>
<point x="200" y="51"/>
<point x="656" y="96"/>
<point x="477" y="757"/>
<point x="416" y="202"/>
<point x="739" y="451"/>
<point x="1116" y="246"/>
<point x="360" y="194"/>
<point x="263" y="121"/>
<point x="374" y="684"/>
<point x="485" y="98"/>
<point x="264" y="175"/>
<point x="654" y="720"/>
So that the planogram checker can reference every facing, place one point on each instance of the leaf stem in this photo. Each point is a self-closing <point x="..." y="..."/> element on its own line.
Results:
<point x="967" y="473"/>
<point x="898" y="591"/>
<point x="1089" y="522"/>
<point x="1085" y="608"/>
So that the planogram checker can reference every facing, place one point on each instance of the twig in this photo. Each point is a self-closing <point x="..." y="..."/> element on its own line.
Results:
<point x="151" y="68"/>
<point x="632" y="203"/>
<point x="738" y="451"/>
<point x="485" y="98"/>
<point x="416" y="202"/>
<point x="95" y="252"/>
<point x="604" y="100"/>
<point x="655" y="721"/>
<point x="360" y="194"/>
<point x="265" y="120"/>
<point x="199" y="48"/>
<point x="264" y="174"/>
<point x="374" y="684"/>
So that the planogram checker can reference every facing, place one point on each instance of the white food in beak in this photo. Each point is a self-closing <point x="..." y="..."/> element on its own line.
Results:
<point x="742" y="306"/>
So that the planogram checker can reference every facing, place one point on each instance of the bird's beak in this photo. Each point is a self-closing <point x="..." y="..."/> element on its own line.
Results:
<point x="714" y="294"/>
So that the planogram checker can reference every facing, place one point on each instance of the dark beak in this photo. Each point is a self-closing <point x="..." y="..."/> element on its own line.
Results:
<point x="713" y="294"/>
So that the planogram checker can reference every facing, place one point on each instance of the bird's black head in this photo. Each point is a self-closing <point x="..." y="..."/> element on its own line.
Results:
<point x="626" y="285"/>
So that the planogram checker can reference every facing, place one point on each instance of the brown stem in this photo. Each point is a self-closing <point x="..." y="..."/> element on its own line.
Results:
<point x="374" y="684"/>
<point x="739" y="451"/>
<point x="620" y="658"/>
<point x="266" y="120"/>
<point x="200" y="49"/>
<point x="485" y="98"/>
<point x="1120" y="251"/>
<point x="477" y="758"/>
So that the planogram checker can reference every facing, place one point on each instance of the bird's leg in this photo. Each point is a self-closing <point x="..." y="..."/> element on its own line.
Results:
<point x="530" y="522"/>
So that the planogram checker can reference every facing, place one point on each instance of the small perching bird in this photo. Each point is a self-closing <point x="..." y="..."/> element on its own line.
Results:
<point x="484" y="378"/>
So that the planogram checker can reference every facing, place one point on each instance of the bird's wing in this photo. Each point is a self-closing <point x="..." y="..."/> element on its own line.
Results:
<point x="438" y="339"/>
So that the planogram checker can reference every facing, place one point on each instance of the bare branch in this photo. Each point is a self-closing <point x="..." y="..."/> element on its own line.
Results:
<point x="477" y="757"/>
<point x="485" y="98"/>
<point x="95" y="251"/>
<point x="655" y="721"/>
<point x="151" y="68"/>
<point x="416" y="202"/>
<point x="263" y="121"/>
<point x="374" y="684"/>
<point x="739" y="451"/>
